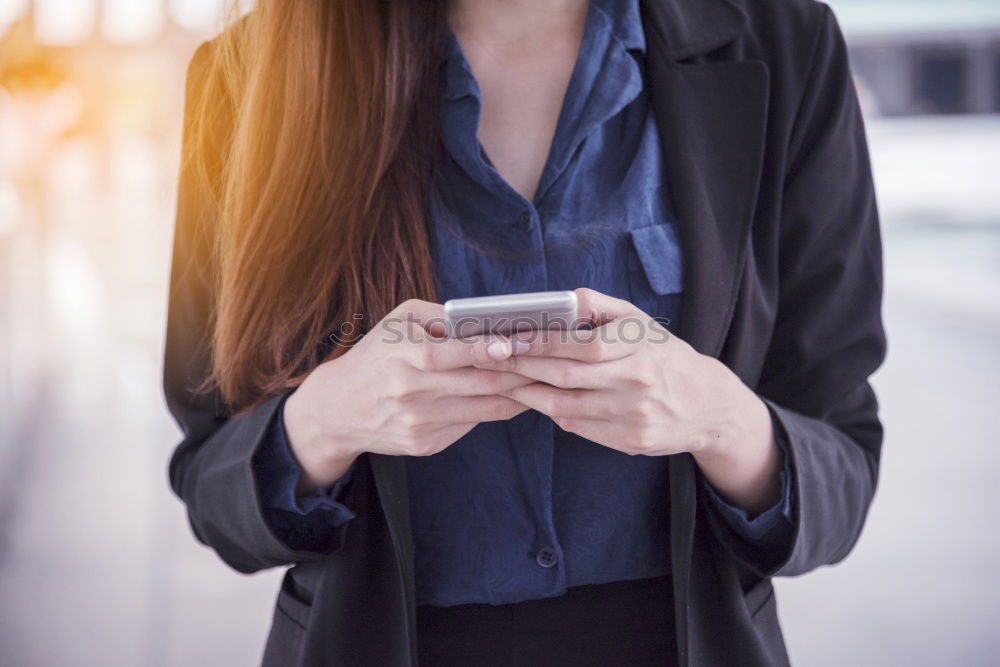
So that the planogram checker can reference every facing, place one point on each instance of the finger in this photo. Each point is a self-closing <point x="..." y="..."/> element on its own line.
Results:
<point x="419" y="310"/>
<point x="556" y="402"/>
<point x="476" y="409"/>
<point x="413" y="320"/>
<point x="604" y="343"/>
<point x="426" y="314"/>
<point x="427" y="353"/>
<point x="471" y="382"/>
<point x="598" y="308"/>
<point x="562" y="373"/>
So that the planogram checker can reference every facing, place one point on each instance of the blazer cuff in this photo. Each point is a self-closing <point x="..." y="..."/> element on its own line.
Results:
<point x="300" y="521"/>
<point x="765" y="539"/>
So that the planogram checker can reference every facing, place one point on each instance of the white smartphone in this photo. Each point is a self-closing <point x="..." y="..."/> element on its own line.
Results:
<point x="508" y="313"/>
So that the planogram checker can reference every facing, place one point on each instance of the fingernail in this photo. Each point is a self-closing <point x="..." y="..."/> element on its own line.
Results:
<point x="521" y="346"/>
<point x="498" y="350"/>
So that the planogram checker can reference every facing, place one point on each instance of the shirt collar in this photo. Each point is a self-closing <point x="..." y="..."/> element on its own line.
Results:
<point x="626" y="26"/>
<point x="606" y="78"/>
<point x="626" y="22"/>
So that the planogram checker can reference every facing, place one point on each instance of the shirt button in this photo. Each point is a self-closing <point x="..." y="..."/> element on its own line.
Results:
<point x="524" y="221"/>
<point x="546" y="557"/>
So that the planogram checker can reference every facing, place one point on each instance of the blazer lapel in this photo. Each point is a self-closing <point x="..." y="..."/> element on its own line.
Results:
<point x="712" y="120"/>
<point x="389" y="473"/>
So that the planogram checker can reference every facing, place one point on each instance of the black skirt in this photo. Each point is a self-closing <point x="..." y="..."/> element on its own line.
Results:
<point x="618" y="623"/>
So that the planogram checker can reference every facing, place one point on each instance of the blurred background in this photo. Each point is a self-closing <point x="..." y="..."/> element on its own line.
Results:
<point x="97" y="564"/>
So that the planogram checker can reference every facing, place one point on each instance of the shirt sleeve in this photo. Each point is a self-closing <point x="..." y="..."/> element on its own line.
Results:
<point x="300" y="521"/>
<point x="767" y="537"/>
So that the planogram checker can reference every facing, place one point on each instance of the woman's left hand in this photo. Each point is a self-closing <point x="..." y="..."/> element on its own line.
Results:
<point x="629" y="384"/>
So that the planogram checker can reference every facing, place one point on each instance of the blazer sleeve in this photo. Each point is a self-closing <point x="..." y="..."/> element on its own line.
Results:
<point x="765" y="538"/>
<point x="829" y="335"/>
<point x="211" y="469"/>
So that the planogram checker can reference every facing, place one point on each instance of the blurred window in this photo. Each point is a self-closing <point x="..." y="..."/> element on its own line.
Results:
<point x="941" y="81"/>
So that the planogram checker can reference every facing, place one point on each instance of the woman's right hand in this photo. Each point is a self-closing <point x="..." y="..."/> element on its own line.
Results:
<point x="402" y="389"/>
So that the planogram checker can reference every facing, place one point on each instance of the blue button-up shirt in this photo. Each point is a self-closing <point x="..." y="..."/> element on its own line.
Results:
<point x="520" y="509"/>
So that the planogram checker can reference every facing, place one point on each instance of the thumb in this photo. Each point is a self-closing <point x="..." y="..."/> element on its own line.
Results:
<point x="598" y="308"/>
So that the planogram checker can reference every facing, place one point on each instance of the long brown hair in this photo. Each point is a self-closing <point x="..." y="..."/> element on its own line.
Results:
<point x="323" y="199"/>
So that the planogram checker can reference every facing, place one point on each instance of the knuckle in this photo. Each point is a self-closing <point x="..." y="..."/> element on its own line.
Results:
<point x="585" y="297"/>
<point x="639" y="409"/>
<point x="483" y="382"/>
<point x="407" y="443"/>
<point x="567" y="424"/>
<point x="511" y="364"/>
<point x="643" y="376"/>
<point x="476" y="353"/>
<point x="412" y="446"/>
<point x="406" y="395"/>
<point x="632" y="411"/>
<point x="403" y="309"/>
<point x="557" y="404"/>
<point x="645" y="440"/>
<point x="424" y="447"/>
<point x="596" y="351"/>
<point x="502" y="409"/>
<point x="396" y="387"/>
<point x="566" y="377"/>
<point x="423" y="356"/>
<point x="494" y="382"/>
<point x="513" y="409"/>
<point x="498" y="373"/>
<point x="411" y="420"/>
<point x="408" y="306"/>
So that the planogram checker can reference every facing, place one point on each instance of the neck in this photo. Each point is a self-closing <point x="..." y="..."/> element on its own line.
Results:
<point x="517" y="25"/>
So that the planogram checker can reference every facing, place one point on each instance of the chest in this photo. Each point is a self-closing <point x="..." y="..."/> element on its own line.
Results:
<point x="606" y="222"/>
<point x="521" y="101"/>
<point x="521" y="85"/>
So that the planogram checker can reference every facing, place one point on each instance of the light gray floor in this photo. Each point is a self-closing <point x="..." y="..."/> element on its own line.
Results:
<point x="98" y="567"/>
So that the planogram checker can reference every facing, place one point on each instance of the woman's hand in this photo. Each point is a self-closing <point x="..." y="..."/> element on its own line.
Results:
<point x="630" y="385"/>
<point x="402" y="389"/>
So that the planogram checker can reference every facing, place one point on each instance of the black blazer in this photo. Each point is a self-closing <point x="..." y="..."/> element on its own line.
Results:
<point x="769" y="171"/>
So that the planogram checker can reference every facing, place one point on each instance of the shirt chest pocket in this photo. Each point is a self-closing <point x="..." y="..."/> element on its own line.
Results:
<point x="655" y="272"/>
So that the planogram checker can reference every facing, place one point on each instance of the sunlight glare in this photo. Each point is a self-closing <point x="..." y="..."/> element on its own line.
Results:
<point x="132" y="21"/>
<point x="63" y="22"/>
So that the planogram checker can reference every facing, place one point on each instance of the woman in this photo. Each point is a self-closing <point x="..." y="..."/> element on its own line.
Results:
<point x="594" y="499"/>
